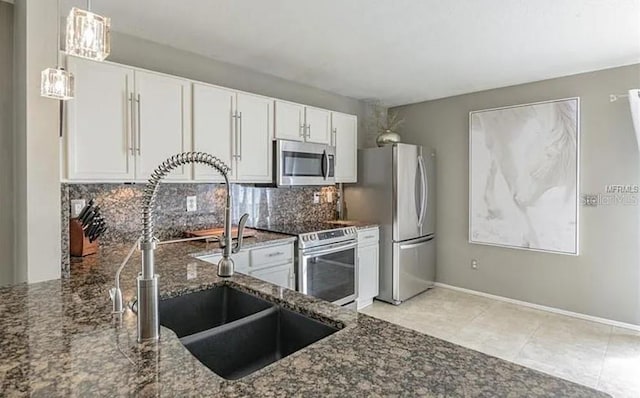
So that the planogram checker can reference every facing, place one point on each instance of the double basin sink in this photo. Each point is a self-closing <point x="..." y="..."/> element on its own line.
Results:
<point x="234" y="333"/>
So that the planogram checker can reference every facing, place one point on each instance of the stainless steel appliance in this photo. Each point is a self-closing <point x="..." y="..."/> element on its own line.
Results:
<point x="304" y="163"/>
<point x="396" y="189"/>
<point x="326" y="261"/>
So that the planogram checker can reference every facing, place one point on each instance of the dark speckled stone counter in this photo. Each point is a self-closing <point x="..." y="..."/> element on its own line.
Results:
<point x="58" y="338"/>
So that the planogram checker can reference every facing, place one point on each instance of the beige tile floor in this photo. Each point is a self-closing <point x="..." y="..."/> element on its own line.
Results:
<point x="597" y="355"/>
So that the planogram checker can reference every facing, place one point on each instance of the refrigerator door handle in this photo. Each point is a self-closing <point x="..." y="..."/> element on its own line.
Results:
<point x="416" y="243"/>
<point x="424" y="190"/>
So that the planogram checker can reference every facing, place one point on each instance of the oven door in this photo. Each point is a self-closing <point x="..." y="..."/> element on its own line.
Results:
<point x="329" y="272"/>
<point x="302" y="163"/>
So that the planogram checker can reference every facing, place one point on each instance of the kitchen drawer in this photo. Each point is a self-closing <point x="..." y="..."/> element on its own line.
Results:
<point x="279" y="254"/>
<point x="240" y="260"/>
<point x="369" y="236"/>
<point x="281" y="275"/>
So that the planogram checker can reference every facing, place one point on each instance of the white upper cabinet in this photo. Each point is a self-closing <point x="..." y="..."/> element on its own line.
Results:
<point x="99" y="134"/>
<point x="125" y="121"/>
<point x="289" y="121"/>
<point x="162" y="123"/>
<point x="213" y="127"/>
<point x="302" y="123"/>
<point x="318" y="125"/>
<point x="253" y="138"/>
<point x="345" y="139"/>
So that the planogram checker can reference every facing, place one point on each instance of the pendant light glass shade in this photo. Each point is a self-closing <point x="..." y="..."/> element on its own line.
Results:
<point x="88" y="35"/>
<point x="56" y="83"/>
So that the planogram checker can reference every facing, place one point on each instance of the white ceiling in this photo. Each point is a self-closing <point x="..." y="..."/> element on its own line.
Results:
<point x="398" y="51"/>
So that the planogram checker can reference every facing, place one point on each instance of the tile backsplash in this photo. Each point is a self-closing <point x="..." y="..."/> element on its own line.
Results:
<point x="121" y="206"/>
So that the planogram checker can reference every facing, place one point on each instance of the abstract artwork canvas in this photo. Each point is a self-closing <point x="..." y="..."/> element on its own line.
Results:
<point x="523" y="172"/>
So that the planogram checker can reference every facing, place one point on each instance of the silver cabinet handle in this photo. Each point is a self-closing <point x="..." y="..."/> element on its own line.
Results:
<point x="234" y="116"/>
<point x="335" y="135"/>
<point x="138" y="120"/>
<point x="303" y="129"/>
<point x="275" y="254"/>
<point x="308" y="131"/>
<point x="240" y="138"/>
<point x="132" y="128"/>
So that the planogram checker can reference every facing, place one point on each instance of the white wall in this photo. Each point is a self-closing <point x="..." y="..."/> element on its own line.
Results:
<point x="36" y="145"/>
<point x="6" y="144"/>
<point x="604" y="280"/>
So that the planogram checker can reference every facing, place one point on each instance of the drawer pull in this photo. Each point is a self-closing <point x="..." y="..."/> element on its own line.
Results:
<point x="275" y="254"/>
<point x="369" y="237"/>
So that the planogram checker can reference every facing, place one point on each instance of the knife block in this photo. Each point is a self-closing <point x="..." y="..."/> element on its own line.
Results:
<point x="79" y="245"/>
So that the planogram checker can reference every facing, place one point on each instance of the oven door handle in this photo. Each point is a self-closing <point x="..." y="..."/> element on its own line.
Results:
<point x="333" y="249"/>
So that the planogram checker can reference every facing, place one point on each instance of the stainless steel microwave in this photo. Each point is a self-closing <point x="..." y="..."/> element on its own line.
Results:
<point x="304" y="163"/>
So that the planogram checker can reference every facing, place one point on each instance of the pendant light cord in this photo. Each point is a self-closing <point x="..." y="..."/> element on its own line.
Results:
<point x="58" y="34"/>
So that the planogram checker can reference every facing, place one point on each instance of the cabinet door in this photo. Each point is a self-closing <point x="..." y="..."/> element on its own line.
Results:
<point x="318" y="125"/>
<point x="367" y="272"/>
<point x="280" y="275"/>
<point x="213" y="128"/>
<point x="162" y="123"/>
<point x="99" y="131"/>
<point x="289" y="121"/>
<point x="345" y="139"/>
<point x="254" y="138"/>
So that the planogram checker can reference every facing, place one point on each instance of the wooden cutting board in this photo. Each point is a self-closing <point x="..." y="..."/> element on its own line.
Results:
<point x="248" y="232"/>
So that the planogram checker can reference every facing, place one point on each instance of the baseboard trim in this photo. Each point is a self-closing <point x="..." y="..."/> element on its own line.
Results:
<point x="543" y="307"/>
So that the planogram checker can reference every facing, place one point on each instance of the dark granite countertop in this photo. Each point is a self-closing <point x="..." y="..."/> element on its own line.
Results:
<point x="58" y="338"/>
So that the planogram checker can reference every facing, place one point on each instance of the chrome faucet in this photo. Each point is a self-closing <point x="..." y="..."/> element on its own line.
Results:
<point x="148" y="318"/>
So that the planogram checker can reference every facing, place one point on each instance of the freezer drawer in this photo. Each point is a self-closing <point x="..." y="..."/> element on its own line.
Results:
<point x="414" y="267"/>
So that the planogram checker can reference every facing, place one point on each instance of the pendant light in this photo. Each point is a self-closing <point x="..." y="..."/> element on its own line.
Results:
<point x="88" y="35"/>
<point x="57" y="83"/>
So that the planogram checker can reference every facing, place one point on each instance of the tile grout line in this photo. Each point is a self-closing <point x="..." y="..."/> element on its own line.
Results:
<point x="495" y="302"/>
<point x="604" y="357"/>
<point x="529" y="338"/>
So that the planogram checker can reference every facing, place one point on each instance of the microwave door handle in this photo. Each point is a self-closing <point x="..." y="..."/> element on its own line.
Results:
<point x="325" y="164"/>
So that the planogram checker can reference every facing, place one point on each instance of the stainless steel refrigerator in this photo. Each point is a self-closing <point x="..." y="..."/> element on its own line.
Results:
<point x="396" y="189"/>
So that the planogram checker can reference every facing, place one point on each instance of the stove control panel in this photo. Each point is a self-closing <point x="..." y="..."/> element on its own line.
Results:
<point x="328" y="236"/>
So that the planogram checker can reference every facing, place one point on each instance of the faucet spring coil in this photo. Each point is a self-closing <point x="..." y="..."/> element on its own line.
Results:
<point x="151" y="190"/>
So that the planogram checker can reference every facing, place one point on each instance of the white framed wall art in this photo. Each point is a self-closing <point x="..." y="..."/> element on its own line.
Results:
<point x="524" y="176"/>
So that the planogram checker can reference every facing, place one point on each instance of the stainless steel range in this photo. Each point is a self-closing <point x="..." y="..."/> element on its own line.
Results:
<point x="326" y="261"/>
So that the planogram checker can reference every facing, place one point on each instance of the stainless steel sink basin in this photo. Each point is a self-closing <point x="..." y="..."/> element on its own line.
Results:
<point x="195" y="312"/>
<point x="234" y="348"/>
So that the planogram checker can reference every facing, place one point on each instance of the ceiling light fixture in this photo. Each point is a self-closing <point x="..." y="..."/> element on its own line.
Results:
<point x="56" y="83"/>
<point x="88" y="35"/>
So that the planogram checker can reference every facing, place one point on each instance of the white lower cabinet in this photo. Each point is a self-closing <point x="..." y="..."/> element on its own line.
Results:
<point x="281" y="275"/>
<point x="272" y="263"/>
<point x="368" y="265"/>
